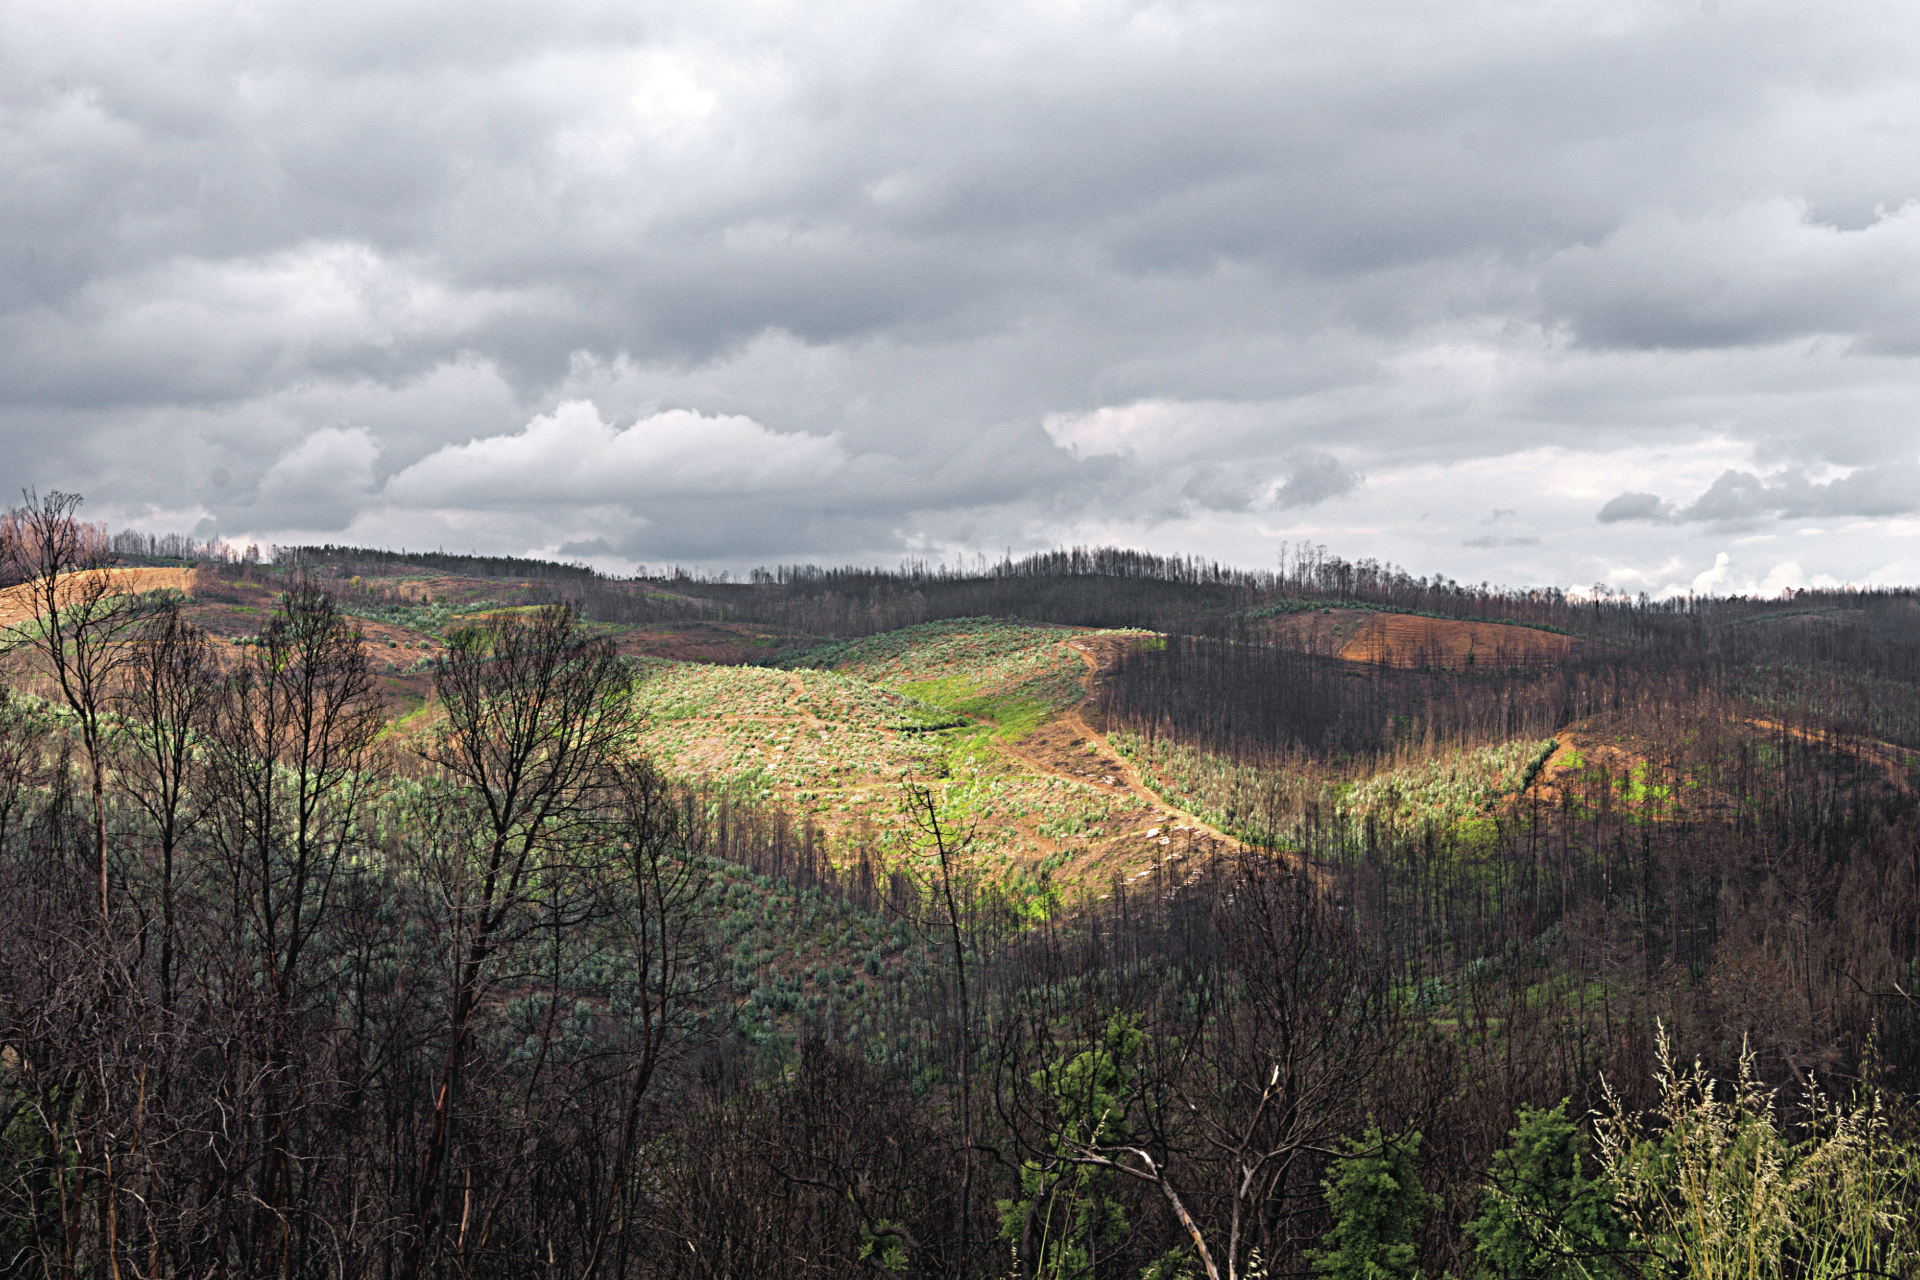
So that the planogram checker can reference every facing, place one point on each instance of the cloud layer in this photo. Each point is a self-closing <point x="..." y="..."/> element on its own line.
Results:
<point x="738" y="282"/>
<point x="1741" y="497"/>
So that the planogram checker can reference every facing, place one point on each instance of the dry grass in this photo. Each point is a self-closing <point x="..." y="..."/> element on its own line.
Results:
<point x="17" y="604"/>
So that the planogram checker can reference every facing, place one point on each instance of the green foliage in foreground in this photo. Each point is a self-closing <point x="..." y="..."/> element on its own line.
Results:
<point x="1542" y="1215"/>
<point x="1064" y="1216"/>
<point x="1378" y="1207"/>
<point x="1715" y="1184"/>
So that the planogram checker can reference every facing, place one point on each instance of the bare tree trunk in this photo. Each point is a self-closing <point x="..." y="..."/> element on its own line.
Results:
<point x="924" y="810"/>
<point x="535" y="716"/>
<point x="78" y="633"/>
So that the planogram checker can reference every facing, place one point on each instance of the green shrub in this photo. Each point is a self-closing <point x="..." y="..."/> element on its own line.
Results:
<point x="1541" y="1215"/>
<point x="1378" y="1206"/>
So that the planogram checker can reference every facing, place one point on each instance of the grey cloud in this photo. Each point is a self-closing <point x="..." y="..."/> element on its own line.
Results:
<point x="1635" y="506"/>
<point x="1487" y="542"/>
<point x="1889" y="489"/>
<point x="1735" y="495"/>
<point x="1757" y="272"/>
<point x="323" y="482"/>
<point x="924" y="239"/>
<point x="1314" y="477"/>
<point x="1221" y="488"/>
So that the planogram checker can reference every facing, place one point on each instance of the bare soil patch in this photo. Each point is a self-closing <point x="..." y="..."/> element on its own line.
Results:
<point x="1443" y="644"/>
<point x="1322" y="631"/>
<point x="17" y="604"/>
<point x="1577" y="755"/>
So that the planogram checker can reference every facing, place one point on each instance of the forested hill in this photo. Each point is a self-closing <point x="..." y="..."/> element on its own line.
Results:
<point x="1117" y="587"/>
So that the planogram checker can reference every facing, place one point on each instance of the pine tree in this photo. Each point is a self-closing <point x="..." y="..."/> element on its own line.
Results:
<point x="1378" y="1206"/>
<point x="1541" y="1215"/>
<point x="1064" y="1215"/>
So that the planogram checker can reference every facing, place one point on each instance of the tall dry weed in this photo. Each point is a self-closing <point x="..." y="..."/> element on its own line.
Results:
<point x="1717" y="1186"/>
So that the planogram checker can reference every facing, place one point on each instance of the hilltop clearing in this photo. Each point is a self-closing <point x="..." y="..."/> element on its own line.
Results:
<point x="20" y="604"/>
<point x="984" y="712"/>
<point x="1412" y="642"/>
<point x="1013" y="674"/>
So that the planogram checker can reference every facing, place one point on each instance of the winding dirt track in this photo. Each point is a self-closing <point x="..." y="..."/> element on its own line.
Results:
<point x="1114" y="764"/>
<point x="1894" y="761"/>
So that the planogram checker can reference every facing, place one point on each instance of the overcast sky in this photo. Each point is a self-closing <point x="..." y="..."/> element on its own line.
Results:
<point x="1548" y="292"/>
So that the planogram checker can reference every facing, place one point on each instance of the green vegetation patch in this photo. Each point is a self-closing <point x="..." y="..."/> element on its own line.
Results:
<point x="1247" y="801"/>
<point x="1008" y="672"/>
<point x="434" y="619"/>
<point x="1443" y="792"/>
<point x="699" y="691"/>
<point x="1013" y="715"/>
<point x="1260" y="802"/>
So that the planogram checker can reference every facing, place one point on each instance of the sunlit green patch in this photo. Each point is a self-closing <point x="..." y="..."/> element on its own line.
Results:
<point x="1012" y="715"/>
<point x="1636" y="789"/>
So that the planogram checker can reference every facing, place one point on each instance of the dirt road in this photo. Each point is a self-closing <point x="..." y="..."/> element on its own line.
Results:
<point x="1071" y="748"/>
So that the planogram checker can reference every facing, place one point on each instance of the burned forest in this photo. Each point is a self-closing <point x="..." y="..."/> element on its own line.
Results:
<point x="1097" y="914"/>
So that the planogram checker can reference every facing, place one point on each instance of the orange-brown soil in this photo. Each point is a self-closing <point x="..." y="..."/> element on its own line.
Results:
<point x="1441" y="644"/>
<point x="1323" y="631"/>
<point x="18" y="604"/>
<point x="1403" y="640"/>
<point x="1148" y="838"/>
<point x="232" y="609"/>
<point x="1559" y="771"/>
<point x="1158" y="845"/>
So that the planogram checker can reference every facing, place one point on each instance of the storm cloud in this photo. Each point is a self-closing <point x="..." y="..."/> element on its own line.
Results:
<point x="731" y="283"/>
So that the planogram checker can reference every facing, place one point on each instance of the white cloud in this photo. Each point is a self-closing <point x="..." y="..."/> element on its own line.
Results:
<point x="1782" y="577"/>
<point x="1155" y="431"/>
<point x="573" y="456"/>
<point x="1704" y="583"/>
<point x="976" y="276"/>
